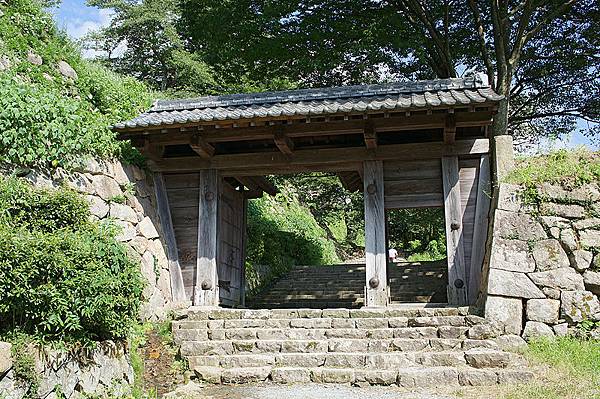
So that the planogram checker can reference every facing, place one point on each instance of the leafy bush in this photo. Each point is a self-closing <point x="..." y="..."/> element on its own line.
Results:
<point x="45" y="119"/>
<point x="283" y="233"/>
<point x="62" y="278"/>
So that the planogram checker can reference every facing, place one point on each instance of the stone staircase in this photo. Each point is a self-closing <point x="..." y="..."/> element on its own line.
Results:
<point x="405" y="346"/>
<point x="342" y="286"/>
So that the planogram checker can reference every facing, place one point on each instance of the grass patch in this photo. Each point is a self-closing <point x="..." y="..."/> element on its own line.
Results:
<point x="572" y="370"/>
<point x="569" y="169"/>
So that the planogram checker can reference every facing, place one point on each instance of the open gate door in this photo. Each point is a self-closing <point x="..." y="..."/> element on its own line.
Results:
<point x="231" y="241"/>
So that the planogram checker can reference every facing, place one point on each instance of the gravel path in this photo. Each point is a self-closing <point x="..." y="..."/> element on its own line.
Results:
<point x="314" y="391"/>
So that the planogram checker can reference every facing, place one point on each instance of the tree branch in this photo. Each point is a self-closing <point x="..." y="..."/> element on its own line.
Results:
<point x="482" y="42"/>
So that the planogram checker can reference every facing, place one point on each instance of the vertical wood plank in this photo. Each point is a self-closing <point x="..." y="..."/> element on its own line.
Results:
<point x="164" y="213"/>
<point x="244" y="243"/>
<point x="206" y="290"/>
<point x="457" y="283"/>
<point x="481" y="227"/>
<point x="376" y="265"/>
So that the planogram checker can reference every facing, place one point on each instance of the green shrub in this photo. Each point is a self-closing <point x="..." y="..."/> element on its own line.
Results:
<point x="62" y="278"/>
<point x="39" y="209"/>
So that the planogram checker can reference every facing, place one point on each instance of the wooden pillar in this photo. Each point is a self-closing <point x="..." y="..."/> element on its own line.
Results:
<point x="376" y="262"/>
<point x="457" y="282"/>
<point x="206" y="290"/>
<point x="480" y="230"/>
<point x="244" y="244"/>
<point x="164" y="214"/>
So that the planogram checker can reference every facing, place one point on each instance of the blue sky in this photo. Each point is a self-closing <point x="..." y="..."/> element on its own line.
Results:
<point x="78" y="19"/>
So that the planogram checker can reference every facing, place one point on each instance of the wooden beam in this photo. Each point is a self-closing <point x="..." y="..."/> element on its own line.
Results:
<point x="258" y="183"/>
<point x="482" y="208"/>
<point x="351" y="181"/>
<point x="370" y="136"/>
<point x="201" y="147"/>
<point x="341" y="127"/>
<point x="450" y="129"/>
<point x="164" y="213"/>
<point x="326" y="159"/>
<point x="457" y="283"/>
<point x="375" y="241"/>
<point x="283" y="142"/>
<point x="206" y="290"/>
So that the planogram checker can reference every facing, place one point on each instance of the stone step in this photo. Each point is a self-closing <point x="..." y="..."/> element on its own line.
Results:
<point x="476" y="358"/>
<point x="387" y="345"/>
<point x="410" y="377"/>
<point x="331" y="322"/>
<point x="201" y="313"/>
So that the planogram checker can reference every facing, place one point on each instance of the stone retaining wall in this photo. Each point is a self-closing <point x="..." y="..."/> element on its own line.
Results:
<point x="544" y="267"/>
<point x="85" y="373"/>
<point x="125" y="194"/>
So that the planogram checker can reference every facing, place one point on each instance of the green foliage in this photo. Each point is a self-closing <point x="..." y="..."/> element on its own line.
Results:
<point x="48" y="120"/>
<point x="569" y="169"/>
<point x="282" y="233"/>
<point x="41" y="210"/>
<point x="574" y="370"/>
<point x="419" y="232"/>
<point x="24" y="366"/>
<point x="62" y="278"/>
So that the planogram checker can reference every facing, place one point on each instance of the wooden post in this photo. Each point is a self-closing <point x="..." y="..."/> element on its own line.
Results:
<point x="244" y="243"/>
<point x="376" y="276"/>
<point x="164" y="213"/>
<point x="480" y="230"/>
<point x="206" y="290"/>
<point x="457" y="283"/>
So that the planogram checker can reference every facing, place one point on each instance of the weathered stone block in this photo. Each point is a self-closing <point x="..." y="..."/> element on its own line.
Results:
<point x="548" y="255"/>
<point x="565" y="278"/>
<point x="535" y="329"/>
<point x="477" y="377"/>
<point x="581" y="259"/>
<point x="332" y="376"/>
<point x="387" y="361"/>
<point x="300" y="360"/>
<point x="427" y="377"/>
<point x="552" y="293"/>
<point x="487" y="358"/>
<point x="511" y="343"/>
<point x="577" y="306"/>
<point x="511" y="255"/>
<point x="105" y="187"/>
<point x="561" y="330"/>
<point x="376" y="377"/>
<point x="147" y="229"/>
<point x="409" y="345"/>
<point x="509" y="198"/>
<point x="5" y="357"/>
<point x="543" y="310"/>
<point x="591" y="280"/>
<point x="518" y="285"/>
<point x="514" y="376"/>
<point x="482" y="331"/>
<point x="123" y="212"/>
<point x="441" y="344"/>
<point x="590" y="238"/>
<point x="555" y="221"/>
<point x="345" y="360"/>
<point x="521" y="226"/>
<point x="452" y="332"/>
<point x="98" y="207"/>
<point x="290" y="375"/>
<point x="569" y="239"/>
<point x="563" y="210"/>
<point x="245" y="375"/>
<point x="127" y="231"/>
<point x="590" y="223"/>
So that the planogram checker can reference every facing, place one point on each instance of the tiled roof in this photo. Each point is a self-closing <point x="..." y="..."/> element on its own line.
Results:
<point x="307" y="102"/>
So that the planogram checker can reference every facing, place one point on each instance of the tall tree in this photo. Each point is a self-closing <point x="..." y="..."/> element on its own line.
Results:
<point x="542" y="55"/>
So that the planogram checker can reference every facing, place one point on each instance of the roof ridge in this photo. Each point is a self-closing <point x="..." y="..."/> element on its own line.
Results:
<point x="338" y="92"/>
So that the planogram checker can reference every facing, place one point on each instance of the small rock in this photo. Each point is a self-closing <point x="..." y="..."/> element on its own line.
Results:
<point x="591" y="280"/>
<point x="520" y="226"/>
<point x="552" y="293"/>
<point x="505" y="314"/>
<point x="518" y="285"/>
<point x="98" y="207"/>
<point x="591" y="223"/>
<point x="535" y="329"/>
<point x="582" y="259"/>
<point x="565" y="278"/>
<point x="548" y="255"/>
<point x="66" y="70"/>
<point x="577" y="306"/>
<point x="187" y="391"/>
<point x="511" y="255"/>
<point x="561" y="330"/>
<point x="543" y="310"/>
<point x="34" y="58"/>
<point x="511" y="343"/>
<point x="555" y="221"/>
<point x="123" y="212"/>
<point x="147" y="229"/>
<point x="563" y="210"/>
<point x="569" y="239"/>
<point x="590" y="238"/>
<point x="5" y="357"/>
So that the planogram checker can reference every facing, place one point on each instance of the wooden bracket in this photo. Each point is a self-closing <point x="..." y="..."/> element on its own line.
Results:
<point x="201" y="147"/>
<point x="450" y="129"/>
<point x="370" y="136"/>
<point x="258" y="183"/>
<point x="283" y="142"/>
